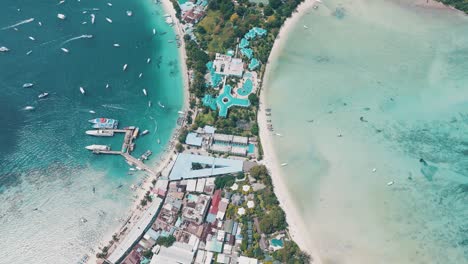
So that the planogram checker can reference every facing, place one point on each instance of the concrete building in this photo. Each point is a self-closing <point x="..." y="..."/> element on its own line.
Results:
<point x="226" y="65"/>
<point x="193" y="139"/>
<point x="195" y="208"/>
<point x="178" y="253"/>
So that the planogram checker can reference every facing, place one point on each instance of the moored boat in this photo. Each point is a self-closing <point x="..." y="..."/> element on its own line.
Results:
<point x="4" y="49"/>
<point x="82" y="90"/>
<point x="125" y="67"/>
<point x="144" y="132"/>
<point x="97" y="147"/>
<point x="61" y="16"/>
<point x="28" y="85"/>
<point x="104" y="122"/>
<point x="65" y="50"/>
<point x="42" y="95"/>
<point x="100" y="133"/>
<point x="144" y="92"/>
<point x="109" y="20"/>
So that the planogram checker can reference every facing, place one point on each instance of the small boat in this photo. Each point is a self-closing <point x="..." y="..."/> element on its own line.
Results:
<point x="148" y="60"/>
<point x="29" y="108"/>
<point x="93" y="17"/>
<point x="43" y="95"/>
<point x="97" y="147"/>
<point x="4" y="49"/>
<point x="40" y="23"/>
<point x="132" y="169"/>
<point x="129" y="13"/>
<point x="100" y="133"/>
<point x="107" y="85"/>
<point x="159" y="141"/>
<point x="65" y="50"/>
<point x="374" y="170"/>
<point x="116" y="45"/>
<point x="109" y="4"/>
<point x="390" y="183"/>
<point x="149" y="103"/>
<point x="140" y="75"/>
<point x="154" y="31"/>
<point x="306" y="27"/>
<point x="61" y="16"/>
<point x="278" y="134"/>
<point x="28" y="85"/>
<point x="181" y="112"/>
<point x="125" y="67"/>
<point x="83" y="220"/>
<point x="91" y="111"/>
<point x="109" y="20"/>
<point x="61" y="2"/>
<point x="144" y="92"/>
<point x="161" y="105"/>
<point x="283" y="164"/>
<point x="101" y="123"/>
<point x="31" y="38"/>
<point x="29" y="52"/>
<point x="82" y="90"/>
<point x="144" y="132"/>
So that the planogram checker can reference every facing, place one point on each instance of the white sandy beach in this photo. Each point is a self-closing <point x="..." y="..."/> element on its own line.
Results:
<point x="295" y="221"/>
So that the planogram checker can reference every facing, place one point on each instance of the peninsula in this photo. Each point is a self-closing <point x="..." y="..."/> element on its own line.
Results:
<point x="214" y="197"/>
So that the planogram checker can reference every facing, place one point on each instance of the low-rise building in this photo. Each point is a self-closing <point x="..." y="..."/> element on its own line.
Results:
<point x="195" y="207"/>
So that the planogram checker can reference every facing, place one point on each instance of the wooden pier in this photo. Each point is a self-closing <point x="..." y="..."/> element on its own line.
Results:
<point x="127" y="147"/>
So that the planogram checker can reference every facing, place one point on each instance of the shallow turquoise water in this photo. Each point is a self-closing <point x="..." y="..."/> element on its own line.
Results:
<point x="391" y="80"/>
<point x="43" y="163"/>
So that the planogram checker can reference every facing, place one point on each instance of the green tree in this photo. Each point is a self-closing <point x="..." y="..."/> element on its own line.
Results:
<point x="166" y="241"/>
<point x="224" y="181"/>
<point x="268" y="11"/>
<point x="258" y="171"/>
<point x="253" y="98"/>
<point x="179" y="147"/>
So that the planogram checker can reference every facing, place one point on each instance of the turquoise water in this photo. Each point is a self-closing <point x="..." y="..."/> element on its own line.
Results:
<point x="376" y="85"/>
<point x="43" y="163"/>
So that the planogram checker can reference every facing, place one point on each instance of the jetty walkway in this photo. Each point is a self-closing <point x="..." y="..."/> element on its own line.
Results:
<point x="127" y="147"/>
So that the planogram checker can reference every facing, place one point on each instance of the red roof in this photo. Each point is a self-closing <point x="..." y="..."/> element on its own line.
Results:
<point x="215" y="202"/>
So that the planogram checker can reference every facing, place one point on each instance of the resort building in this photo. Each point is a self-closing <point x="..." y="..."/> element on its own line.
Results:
<point x="193" y="139"/>
<point x="183" y="166"/>
<point x="227" y="65"/>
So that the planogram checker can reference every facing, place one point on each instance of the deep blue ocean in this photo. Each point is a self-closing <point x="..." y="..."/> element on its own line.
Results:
<point x="46" y="174"/>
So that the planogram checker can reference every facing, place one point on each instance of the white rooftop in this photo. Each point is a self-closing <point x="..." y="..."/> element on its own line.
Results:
<point x="246" y="260"/>
<point x="241" y="211"/>
<point x="183" y="166"/>
<point x="178" y="253"/>
<point x="193" y="139"/>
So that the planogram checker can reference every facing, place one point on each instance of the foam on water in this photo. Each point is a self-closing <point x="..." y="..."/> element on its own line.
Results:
<point x="391" y="79"/>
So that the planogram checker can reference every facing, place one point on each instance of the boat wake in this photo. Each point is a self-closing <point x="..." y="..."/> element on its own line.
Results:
<point x="75" y="38"/>
<point x="19" y="23"/>
<point x="113" y="107"/>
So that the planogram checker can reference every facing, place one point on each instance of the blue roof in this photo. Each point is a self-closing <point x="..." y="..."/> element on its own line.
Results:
<point x="244" y="43"/>
<point x="193" y="139"/>
<point x="219" y="166"/>
<point x="248" y="52"/>
<point x="254" y="63"/>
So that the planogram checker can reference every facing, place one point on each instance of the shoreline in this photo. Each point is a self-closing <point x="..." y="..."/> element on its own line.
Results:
<point x="293" y="217"/>
<point x="165" y="157"/>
